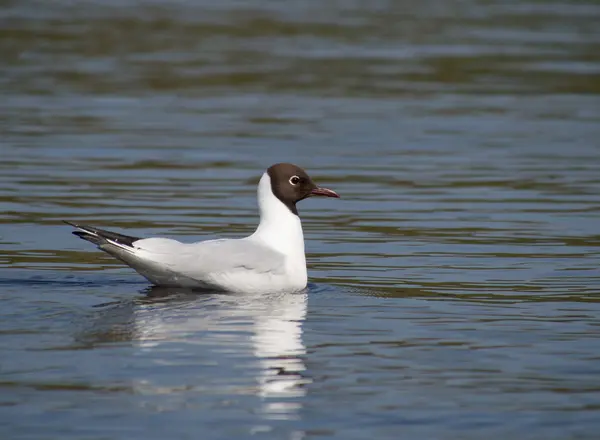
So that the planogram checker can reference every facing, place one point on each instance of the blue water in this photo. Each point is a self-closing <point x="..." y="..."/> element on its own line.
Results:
<point x="454" y="289"/>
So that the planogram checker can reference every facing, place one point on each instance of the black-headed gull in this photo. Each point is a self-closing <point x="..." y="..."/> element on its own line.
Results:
<point x="270" y="260"/>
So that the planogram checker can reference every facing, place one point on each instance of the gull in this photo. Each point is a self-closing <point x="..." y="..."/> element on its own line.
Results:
<point x="270" y="260"/>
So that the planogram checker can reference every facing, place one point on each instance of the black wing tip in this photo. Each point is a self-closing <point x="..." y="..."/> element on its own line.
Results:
<point x="75" y="225"/>
<point x="88" y="237"/>
<point x="100" y="235"/>
<point x="79" y="227"/>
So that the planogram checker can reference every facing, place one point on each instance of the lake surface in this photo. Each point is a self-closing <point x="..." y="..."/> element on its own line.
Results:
<point x="454" y="289"/>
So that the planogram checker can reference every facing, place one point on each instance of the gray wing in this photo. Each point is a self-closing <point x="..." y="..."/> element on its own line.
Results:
<point x="199" y="260"/>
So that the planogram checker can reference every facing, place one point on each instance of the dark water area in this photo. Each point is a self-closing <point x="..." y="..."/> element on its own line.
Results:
<point x="454" y="289"/>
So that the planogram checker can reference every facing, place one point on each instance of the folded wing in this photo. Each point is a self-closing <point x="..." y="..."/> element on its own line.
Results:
<point x="212" y="263"/>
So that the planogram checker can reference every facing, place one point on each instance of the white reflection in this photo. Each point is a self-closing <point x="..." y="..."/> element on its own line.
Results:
<point x="245" y="339"/>
<point x="278" y="345"/>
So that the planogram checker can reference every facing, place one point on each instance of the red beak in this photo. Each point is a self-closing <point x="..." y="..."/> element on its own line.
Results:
<point x="324" y="192"/>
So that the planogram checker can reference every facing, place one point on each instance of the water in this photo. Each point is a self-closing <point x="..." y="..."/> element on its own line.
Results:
<point x="454" y="289"/>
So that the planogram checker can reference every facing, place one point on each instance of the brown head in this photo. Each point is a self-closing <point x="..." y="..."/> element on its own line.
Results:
<point x="290" y="184"/>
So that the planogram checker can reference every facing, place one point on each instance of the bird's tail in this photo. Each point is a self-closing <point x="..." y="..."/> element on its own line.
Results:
<point x="101" y="236"/>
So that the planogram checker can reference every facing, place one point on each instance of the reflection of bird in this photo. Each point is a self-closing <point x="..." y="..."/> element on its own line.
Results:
<point x="278" y="344"/>
<point x="219" y="344"/>
<point x="270" y="260"/>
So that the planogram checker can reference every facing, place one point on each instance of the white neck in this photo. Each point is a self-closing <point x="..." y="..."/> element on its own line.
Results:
<point x="279" y="228"/>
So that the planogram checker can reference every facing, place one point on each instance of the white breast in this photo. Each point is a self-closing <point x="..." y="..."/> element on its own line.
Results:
<point x="281" y="230"/>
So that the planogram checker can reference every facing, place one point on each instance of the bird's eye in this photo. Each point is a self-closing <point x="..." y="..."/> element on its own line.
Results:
<point x="294" y="180"/>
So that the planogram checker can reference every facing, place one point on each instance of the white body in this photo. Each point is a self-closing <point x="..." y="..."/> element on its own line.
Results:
<point x="270" y="260"/>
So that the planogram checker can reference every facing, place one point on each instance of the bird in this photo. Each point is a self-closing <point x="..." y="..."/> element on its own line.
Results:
<point x="272" y="259"/>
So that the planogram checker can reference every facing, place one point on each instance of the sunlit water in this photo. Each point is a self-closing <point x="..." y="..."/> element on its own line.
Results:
<point x="454" y="288"/>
